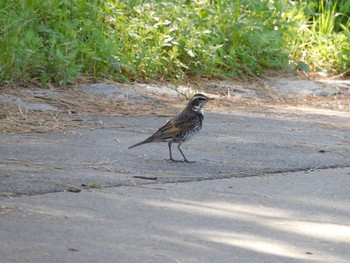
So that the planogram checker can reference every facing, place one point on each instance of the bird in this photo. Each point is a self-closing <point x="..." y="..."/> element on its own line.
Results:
<point x="181" y="127"/>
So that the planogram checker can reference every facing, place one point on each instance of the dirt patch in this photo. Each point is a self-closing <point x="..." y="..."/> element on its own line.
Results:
<point x="43" y="110"/>
<point x="65" y="108"/>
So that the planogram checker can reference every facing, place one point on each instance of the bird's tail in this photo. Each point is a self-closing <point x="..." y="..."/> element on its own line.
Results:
<point x="152" y="138"/>
<point x="138" y="144"/>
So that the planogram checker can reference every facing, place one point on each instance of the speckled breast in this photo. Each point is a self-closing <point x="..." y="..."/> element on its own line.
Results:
<point x="185" y="136"/>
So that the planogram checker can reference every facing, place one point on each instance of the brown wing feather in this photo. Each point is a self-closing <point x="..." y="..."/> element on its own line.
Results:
<point x="178" y="124"/>
<point x="174" y="126"/>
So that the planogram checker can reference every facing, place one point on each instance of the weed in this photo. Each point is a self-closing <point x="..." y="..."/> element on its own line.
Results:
<point x="95" y="186"/>
<point x="66" y="41"/>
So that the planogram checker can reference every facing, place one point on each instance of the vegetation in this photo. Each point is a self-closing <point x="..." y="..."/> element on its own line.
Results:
<point x="95" y="186"/>
<point x="320" y="35"/>
<point x="63" y="41"/>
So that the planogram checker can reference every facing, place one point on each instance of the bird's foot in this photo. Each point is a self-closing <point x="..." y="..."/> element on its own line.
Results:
<point x="180" y="161"/>
<point x="187" y="161"/>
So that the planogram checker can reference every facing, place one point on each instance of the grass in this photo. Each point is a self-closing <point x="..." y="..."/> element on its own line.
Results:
<point x="65" y="42"/>
<point x="95" y="186"/>
<point x="321" y="42"/>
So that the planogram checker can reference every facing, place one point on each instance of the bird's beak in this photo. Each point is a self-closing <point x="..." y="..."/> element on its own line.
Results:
<point x="209" y="99"/>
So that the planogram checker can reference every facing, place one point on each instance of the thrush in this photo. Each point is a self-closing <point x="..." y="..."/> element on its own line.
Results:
<point x="182" y="127"/>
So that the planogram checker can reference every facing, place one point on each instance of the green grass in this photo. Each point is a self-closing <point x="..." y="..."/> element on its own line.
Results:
<point x="95" y="186"/>
<point x="64" y="42"/>
<point x="320" y="37"/>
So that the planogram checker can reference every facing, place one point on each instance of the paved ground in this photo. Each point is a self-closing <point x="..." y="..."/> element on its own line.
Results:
<point x="268" y="185"/>
<point x="291" y="217"/>
<point x="230" y="145"/>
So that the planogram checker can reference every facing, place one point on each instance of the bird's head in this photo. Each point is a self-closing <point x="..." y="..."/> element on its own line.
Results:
<point x="198" y="101"/>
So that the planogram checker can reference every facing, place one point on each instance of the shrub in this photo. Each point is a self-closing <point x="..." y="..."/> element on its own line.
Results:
<point x="63" y="41"/>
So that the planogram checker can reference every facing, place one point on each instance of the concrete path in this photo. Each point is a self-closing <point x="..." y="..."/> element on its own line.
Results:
<point x="291" y="217"/>
<point x="229" y="145"/>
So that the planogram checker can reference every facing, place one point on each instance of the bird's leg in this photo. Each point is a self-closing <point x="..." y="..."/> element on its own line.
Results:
<point x="171" y="156"/>
<point x="187" y="161"/>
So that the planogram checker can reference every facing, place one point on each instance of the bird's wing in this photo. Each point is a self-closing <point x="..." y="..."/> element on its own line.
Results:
<point x="178" y="124"/>
<point x="174" y="127"/>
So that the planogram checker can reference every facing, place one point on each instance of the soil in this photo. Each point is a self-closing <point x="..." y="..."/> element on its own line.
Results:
<point x="50" y="109"/>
